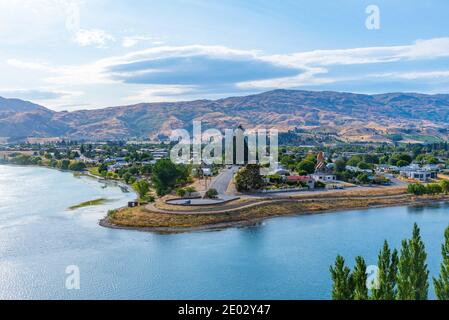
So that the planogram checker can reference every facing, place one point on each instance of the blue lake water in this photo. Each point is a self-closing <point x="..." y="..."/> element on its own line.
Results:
<point x="283" y="258"/>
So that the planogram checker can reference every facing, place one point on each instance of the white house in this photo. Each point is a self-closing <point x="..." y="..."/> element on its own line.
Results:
<point x="414" y="172"/>
<point x="324" y="177"/>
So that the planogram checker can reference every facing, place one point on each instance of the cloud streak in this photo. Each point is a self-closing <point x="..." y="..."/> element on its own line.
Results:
<point x="176" y="71"/>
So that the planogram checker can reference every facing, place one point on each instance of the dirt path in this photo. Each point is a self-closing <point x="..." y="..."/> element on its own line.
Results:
<point x="237" y="207"/>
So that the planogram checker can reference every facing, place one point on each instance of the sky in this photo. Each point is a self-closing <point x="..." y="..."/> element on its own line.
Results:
<point x="86" y="54"/>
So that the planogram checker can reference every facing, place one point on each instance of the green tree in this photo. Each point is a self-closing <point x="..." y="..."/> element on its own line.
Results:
<point x="126" y="177"/>
<point x="400" y="159"/>
<point x="445" y="186"/>
<point x="77" y="166"/>
<point x="142" y="187"/>
<point x="342" y="287"/>
<point x="416" y="189"/>
<point x="442" y="283"/>
<point x="413" y="274"/>
<point x="102" y="168"/>
<point x="340" y="165"/>
<point x="386" y="279"/>
<point x="64" y="164"/>
<point x="354" y="161"/>
<point x="249" y="178"/>
<point x="363" y="165"/>
<point x="166" y="175"/>
<point x="360" y="279"/>
<point x="307" y="166"/>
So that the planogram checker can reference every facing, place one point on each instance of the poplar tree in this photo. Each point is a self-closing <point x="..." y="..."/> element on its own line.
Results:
<point x="360" y="279"/>
<point x="413" y="274"/>
<point x="442" y="283"/>
<point x="387" y="274"/>
<point x="342" y="287"/>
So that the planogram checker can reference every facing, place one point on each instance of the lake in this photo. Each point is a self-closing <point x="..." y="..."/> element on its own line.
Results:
<point x="283" y="258"/>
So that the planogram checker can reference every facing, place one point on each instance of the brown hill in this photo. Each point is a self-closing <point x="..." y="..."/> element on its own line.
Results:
<point x="350" y="116"/>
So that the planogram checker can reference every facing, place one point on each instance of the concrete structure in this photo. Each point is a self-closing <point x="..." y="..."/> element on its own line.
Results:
<point x="323" y="177"/>
<point x="416" y="173"/>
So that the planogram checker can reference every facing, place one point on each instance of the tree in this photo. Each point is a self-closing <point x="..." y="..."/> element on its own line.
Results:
<point x="166" y="175"/>
<point x="363" y="165"/>
<point x="77" y="166"/>
<point x="142" y="187"/>
<point x="400" y="159"/>
<point x="340" y="165"/>
<point x="64" y="164"/>
<point x="249" y="178"/>
<point x="386" y="279"/>
<point x="307" y="166"/>
<point x="442" y="283"/>
<point x="360" y="279"/>
<point x="416" y="189"/>
<point x="127" y="177"/>
<point x="402" y="163"/>
<point x="102" y="168"/>
<point x="354" y="161"/>
<point x="342" y="288"/>
<point x="445" y="186"/>
<point x="363" y="178"/>
<point x="413" y="275"/>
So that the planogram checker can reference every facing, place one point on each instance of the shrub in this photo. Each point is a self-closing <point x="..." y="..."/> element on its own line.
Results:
<point x="181" y="192"/>
<point x="211" y="194"/>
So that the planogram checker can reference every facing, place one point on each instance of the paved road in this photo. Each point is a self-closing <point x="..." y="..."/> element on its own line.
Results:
<point x="222" y="181"/>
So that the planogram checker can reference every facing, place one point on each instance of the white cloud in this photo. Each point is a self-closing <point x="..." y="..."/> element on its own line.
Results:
<point x="421" y="49"/>
<point x="96" y="37"/>
<point x="28" y="65"/>
<point x="128" y="42"/>
<point x="414" y="75"/>
<point x="313" y="67"/>
<point x="159" y="93"/>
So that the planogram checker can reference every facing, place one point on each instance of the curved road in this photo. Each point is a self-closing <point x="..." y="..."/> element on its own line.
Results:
<point x="222" y="181"/>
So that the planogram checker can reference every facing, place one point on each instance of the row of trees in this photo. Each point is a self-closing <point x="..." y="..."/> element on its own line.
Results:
<point x="419" y="189"/>
<point x="64" y="164"/>
<point x="403" y="276"/>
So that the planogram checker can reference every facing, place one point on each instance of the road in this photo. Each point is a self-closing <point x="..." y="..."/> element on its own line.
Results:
<point x="222" y="181"/>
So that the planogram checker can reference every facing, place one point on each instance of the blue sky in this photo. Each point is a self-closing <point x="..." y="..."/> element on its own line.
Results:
<point x="83" y="54"/>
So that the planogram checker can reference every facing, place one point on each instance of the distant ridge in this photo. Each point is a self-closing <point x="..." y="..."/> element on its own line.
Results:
<point x="348" y="116"/>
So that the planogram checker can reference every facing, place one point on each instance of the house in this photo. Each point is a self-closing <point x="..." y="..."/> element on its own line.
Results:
<point x="305" y="179"/>
<point x="117" y="166"/>
<point x="386" y="168"/>
<point x="323" y="177"/>
<point x="414" y="172"/>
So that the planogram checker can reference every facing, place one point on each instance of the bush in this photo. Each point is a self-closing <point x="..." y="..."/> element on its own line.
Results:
<point x="77" y="166"/>
<point x="181" y="192"/>
<point x="320" y="185"/>
<point x="417" y="189"/>
<point x="211" y="194"/>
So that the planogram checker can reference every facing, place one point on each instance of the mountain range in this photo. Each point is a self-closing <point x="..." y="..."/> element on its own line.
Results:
<point x="386" y="117"/>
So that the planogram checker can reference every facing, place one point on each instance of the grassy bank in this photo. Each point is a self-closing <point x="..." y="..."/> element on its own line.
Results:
<point x="143" y="219"/>
<point x="96" y="202"/>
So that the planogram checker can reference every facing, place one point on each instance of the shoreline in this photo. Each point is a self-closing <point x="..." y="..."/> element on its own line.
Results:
<point x="288" y="206"/>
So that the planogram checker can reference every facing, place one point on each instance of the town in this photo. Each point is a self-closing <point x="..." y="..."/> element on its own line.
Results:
<point x="146" y="166"/>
